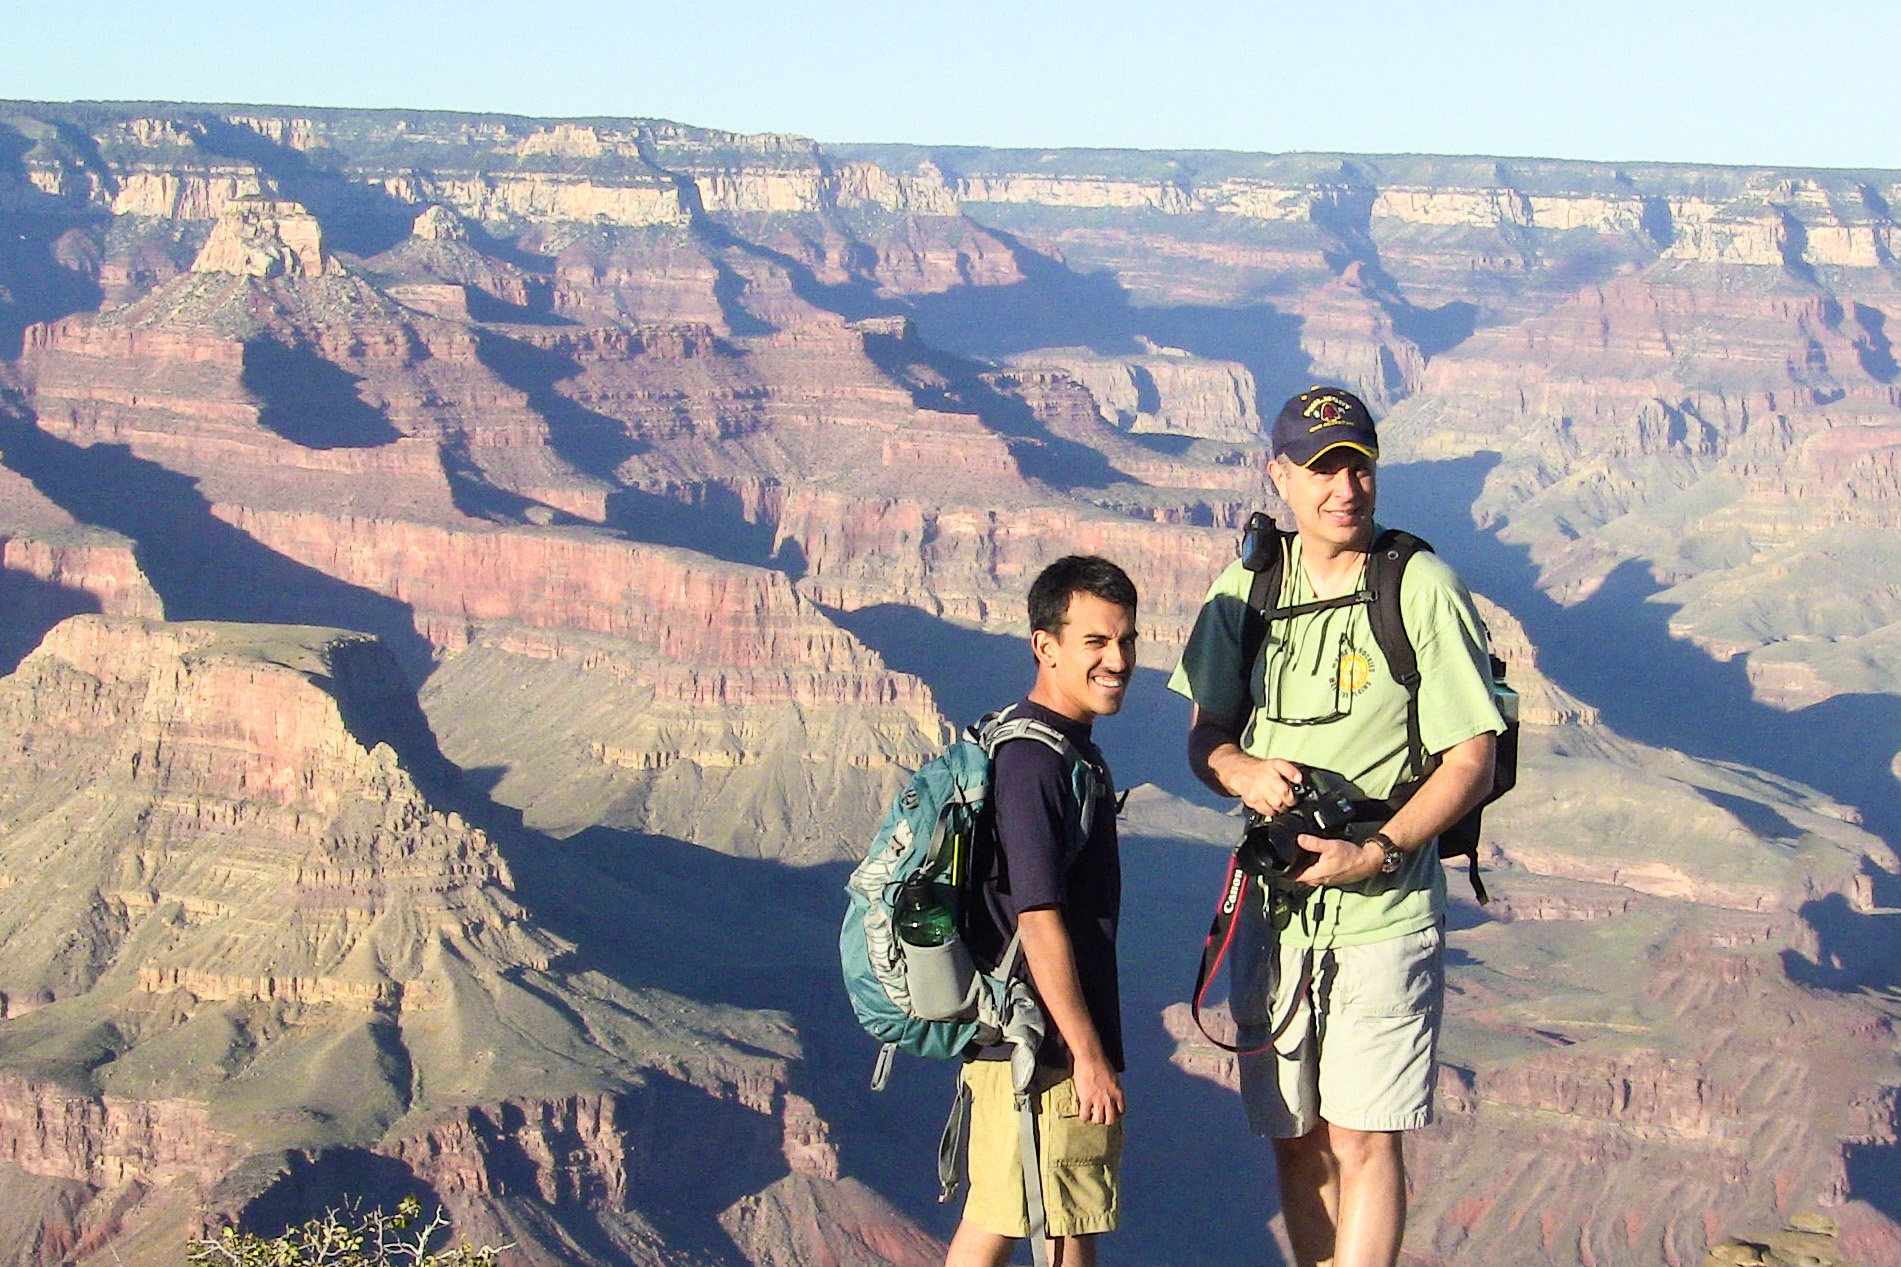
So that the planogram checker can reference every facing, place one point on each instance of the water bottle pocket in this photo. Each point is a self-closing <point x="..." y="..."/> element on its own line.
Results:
<point x="940" y="979"/>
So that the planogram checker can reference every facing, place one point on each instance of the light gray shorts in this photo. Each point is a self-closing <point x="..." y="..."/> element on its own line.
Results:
<point x="1357" y="1028"/>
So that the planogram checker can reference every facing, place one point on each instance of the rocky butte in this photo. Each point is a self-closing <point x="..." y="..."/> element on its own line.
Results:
<point x="468" y="583"/>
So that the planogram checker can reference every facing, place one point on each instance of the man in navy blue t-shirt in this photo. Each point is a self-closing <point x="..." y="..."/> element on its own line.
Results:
<point x="1082" y="632"/>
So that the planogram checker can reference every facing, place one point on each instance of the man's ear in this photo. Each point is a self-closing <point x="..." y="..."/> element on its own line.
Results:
<point x="1042" y="646"/>
<point x="1277" y="478"/>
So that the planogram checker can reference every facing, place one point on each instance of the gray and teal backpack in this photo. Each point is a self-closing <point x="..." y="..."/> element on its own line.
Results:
<point x="930" y="831"/>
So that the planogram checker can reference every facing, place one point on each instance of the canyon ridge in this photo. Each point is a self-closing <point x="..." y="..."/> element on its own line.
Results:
<point x="469" y="584"/>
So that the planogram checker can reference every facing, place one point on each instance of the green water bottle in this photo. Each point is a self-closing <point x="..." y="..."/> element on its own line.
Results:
<point x="922" y="920"/>
<point x="939" y="976"/>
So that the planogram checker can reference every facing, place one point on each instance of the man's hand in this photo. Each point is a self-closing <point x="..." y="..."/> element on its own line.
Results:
<point x="1052" y="960"/>
<point x="1340" y="861"/>
<point x="1463" y="778"/>
<point x="1265" y="786"/>
<point x="1098" y="1091"/>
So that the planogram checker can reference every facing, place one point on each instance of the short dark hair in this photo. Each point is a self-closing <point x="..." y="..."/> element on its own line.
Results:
<point x="1076" y="574"/>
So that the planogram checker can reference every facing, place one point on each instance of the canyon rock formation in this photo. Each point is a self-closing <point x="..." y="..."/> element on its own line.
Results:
<point x="242" y="933"/>
<point x="469" y="583"/>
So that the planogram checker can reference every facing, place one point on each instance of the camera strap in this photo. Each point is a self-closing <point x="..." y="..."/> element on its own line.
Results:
<point x="1227" y="918"/>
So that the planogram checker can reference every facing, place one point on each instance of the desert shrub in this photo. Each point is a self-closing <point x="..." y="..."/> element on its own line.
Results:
<point x="346" y="1237"/>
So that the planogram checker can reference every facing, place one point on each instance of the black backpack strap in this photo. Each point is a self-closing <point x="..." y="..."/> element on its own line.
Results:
<point x="1385" y="569"/>
<point x="1267" y="558"/>
<point x="1386" y="564"/>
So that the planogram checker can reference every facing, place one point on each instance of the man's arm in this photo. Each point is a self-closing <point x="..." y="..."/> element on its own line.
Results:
<point x="1052" y="960"/>
<point x="1264" y="785"/>
<point x="1463" y="779"/>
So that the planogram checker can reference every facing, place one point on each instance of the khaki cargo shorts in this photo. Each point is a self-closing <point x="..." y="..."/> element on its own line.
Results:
<point x="1361" y="1026"/>
<point x="1082" y="1161"/>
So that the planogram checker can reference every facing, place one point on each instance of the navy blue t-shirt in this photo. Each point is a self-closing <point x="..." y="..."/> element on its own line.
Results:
<point x="1019" y="867"/>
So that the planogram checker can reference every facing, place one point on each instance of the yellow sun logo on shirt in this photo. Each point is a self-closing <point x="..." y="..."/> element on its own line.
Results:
<point x="1354" y="671"/>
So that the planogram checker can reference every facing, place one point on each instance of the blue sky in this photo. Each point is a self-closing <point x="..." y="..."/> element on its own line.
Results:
<point x="1698" y="81"/>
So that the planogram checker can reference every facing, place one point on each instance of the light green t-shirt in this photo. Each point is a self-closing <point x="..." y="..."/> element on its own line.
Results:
<point x="1327" y="665"/>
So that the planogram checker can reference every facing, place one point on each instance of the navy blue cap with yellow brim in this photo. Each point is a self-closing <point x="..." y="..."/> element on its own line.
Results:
<point x="1320" y="420"/>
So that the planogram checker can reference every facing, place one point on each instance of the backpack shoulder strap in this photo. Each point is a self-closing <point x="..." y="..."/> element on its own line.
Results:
<point x="1386" y="564"/>
<point x="1002" y="727"/>
<point x="1266" y="558"/>
<point x="979" y="731"/>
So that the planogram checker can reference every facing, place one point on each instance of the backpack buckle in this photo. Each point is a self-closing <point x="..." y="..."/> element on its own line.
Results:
<point x="881" y="1068"/>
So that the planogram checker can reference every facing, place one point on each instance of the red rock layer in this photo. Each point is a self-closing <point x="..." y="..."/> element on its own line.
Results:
<point x="1637" y="388"/>
<point x="688" y="607"/>
<point x="103" y="1140"/>
<point x="218" y="816"/>
<point x="108" y="574"/>
<point x="973" y="565"/>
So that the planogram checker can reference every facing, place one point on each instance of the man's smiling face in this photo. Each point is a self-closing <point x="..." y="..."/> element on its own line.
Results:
<point x="1083" y="670"/>
<point x="1332" y="499"/>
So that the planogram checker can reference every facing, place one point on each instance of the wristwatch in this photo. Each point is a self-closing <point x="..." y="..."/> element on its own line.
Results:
<point x="1392" y="858"/>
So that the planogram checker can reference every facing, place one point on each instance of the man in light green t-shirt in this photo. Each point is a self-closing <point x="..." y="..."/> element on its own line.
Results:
<point x="1350" y="989"/>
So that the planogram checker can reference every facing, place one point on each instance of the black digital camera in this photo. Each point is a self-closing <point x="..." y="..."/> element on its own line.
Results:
<point x="1271" y="849"/>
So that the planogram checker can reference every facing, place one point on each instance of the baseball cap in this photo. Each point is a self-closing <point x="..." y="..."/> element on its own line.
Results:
<point x="1321" y="419"/>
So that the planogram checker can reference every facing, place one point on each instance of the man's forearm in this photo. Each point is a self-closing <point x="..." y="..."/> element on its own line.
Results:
<point x="1213" y="755"/>
<point x="1052" y="960"/>
<point x="1462" y="781"/>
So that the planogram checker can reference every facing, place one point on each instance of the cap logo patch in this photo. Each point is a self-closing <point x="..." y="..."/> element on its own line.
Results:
<point x="1330" y="410"/>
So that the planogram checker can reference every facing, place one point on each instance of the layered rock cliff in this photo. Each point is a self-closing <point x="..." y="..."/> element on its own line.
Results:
<point x="237" y="929"/>
<point x="647" y="451"/>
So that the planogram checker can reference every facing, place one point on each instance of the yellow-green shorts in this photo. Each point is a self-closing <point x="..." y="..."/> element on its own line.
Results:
<point x="1082" y="1161"/>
